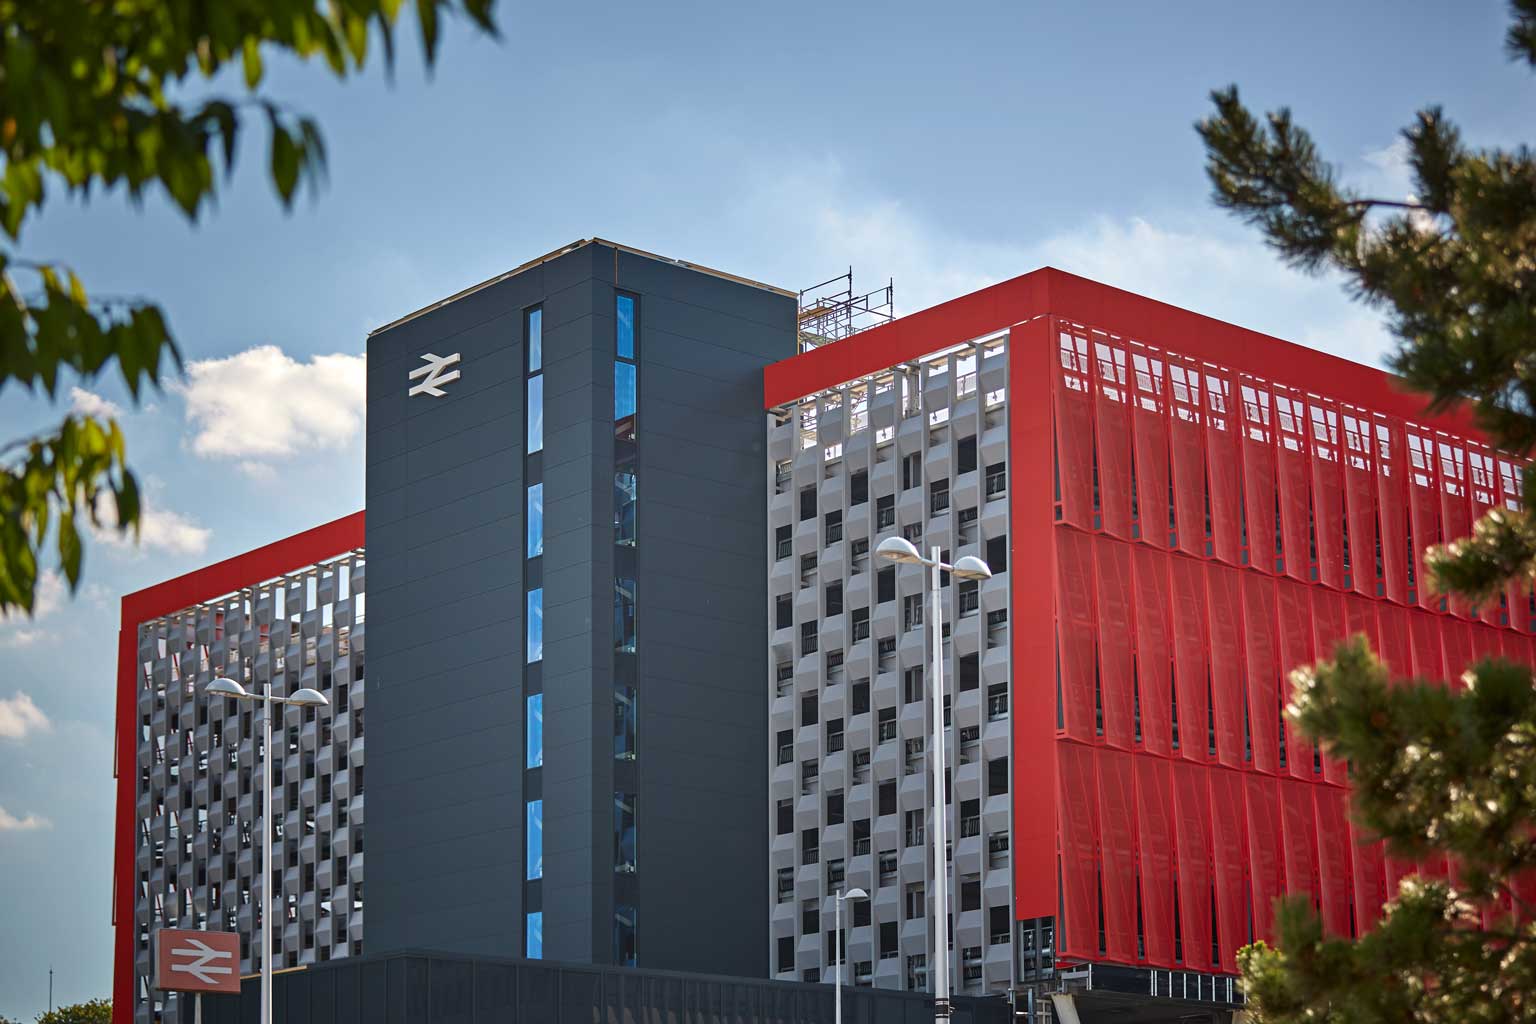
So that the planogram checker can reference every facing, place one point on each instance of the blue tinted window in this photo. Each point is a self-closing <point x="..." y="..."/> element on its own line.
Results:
<point x="536" y="935"/>
<point x="623" y="390"/>
<point x="625" y="311"/>
<point x="624" y="508"/>
<point x="535" y="414"/>
<point x="535" y="340"/>
<point x="535" y="625"/>
<point x="535" y="520"/>
<point x="624" y="833"/>
<point x="535" y="839"/>
<point x="624" y="614"/>
<point x="536" y="730"/>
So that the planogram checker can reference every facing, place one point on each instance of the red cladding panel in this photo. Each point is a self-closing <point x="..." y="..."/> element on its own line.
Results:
<point x="1151" y="417"/>
<point x="1113" y="430"/>
<point x="1186" y="442"/>
<point x="1264" y="851"/>
<point x="1153" y="601"/>
<point x="1423" y="509"/>
<point x="1294" y="484"/>
<point x="1392" y="501"/>
<point x="1455" y="507"/>
<point x="1393" y="647"/>
<point x="1333" y="861"/>
<point x="1328" y="629"/>
<point x="1223" y="467"/>
<point x="1370" y="879"/>
<point x="1231" y="861"/>
<point x="1424" y="637"/>
<point x="1456" y="640"/>
<point x="1074" y="432"/>
<point x="1300" y="821"/>
<point x="1224" y="589"/>
<point x="1112" y="560"/>
<point x="1327" y="493"/>
<point x="1117" y="823"/>
<point x="1295" y="651"/>
<point x="1075" y="632"/>
<point x="1360" y="618"/>
<point x="1259" y="496"/>
<point x="1077" y="836"/>
<point x="1154" y="800"/>
<point x="1263" y="672"/>
<point x="1192" y="804"/>
<point x="1360" y="502"/>
<point x="1189" y="656"/>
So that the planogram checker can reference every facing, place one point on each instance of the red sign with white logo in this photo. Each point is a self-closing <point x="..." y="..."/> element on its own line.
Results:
<point x="196" y="961"/>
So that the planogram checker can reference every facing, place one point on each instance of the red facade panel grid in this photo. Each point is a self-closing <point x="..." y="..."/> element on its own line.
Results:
<point x="1187" y="448"/>
<point x="1077" y="839"/>
<point x="1227" y="672"/>
<point x="1230" y="849"/>
<point x="1393" y="646"/>
<point x="1331" y="805"/>
<point x="1424" y="642"/>
<point x="1154" y="801"/>
<point x="1264" y="851"/>
<point x="1295" y="636"/>
<point x="1191" y="709"/>
<point x="1192" y="804"/>
<point x="1370" y="878"/>
<point x="1111" y="402"/>
<point x="1299" y="823"/>
<point x="1327" y="493"/>
<point x="1223" y="467"/>
<point x="1153" y="649"/>
<point x="1294" y="482"/>
<point x="1455" y="506"/>
<point x="1074" y="431"/>
<point x="1423" y="508"/>
<point x="1117" y="828"/>
<point x="1259" y="495"/>
<point x="1456" y="641"/>
<point x="1075" y="633"/>
<point x="1151" y="415"/>
<point x="1263" y="672"/>
<point x="1117" y="672"/>
<point x="1329" y="628"/>
<point x="1391" y="502"/>
<point x="1360" y="503"/>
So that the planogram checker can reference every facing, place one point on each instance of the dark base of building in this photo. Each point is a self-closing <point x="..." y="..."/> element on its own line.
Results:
<point x="432" y="988"/>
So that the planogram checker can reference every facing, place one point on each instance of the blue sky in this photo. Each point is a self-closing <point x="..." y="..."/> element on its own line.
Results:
<point x="948" y="146"/>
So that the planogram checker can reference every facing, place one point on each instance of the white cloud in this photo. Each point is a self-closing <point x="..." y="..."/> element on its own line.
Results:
<point x="51" y="594"/>
<point x="31" y="823"/>
<point x="262" y="404"/>
<point x="160" y="529"/>
<point x="88" y="403"/>
<point x="19" y="716"/>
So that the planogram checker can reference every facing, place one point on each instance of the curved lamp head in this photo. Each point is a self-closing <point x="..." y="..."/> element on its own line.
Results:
<point x="307" y="698"/>
<point x="855" y="894"/>
<point x="899" y="549"/>
<point x="972" y="568"/>
<point x="222" y="687"/>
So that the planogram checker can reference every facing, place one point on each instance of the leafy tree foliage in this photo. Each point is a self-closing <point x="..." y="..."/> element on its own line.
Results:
<point x="97" y="1011"/>
<point x="1449" y="771"/>
<point x="101" y="97"/>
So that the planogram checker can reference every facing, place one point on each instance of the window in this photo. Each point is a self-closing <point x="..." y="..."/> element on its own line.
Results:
<point x="861" y="697"/>
<point x="807" y="570"/>
<point x="997" y="776"/>
<point x="970" y="893"/>
<point x="998" y="926"/>
<point x="970" y="596"/>
<point x="810" y="846"/>
<point x="885" y="512"/>
<point x="858" y="488"/>
<point x="912" y="685"/>
<point x="861" y="914"/>
<point x="785" y="817"/>
<point x="535" y="414"/>
<point x="624" y="935"/>
<point x="913" y="533"/>
<point x="837" y="873"/>
<point x="890" y="943"/>
<point x="783" y="612"/>
<point x="911" y="471"/>
<point x="916" y="904"/>
<point x="885" y="585"/>
<point x="888" y="866"/>
<point x="888" y="797"/>
<point x="786" y="961"/>
<point x="624" y="723"/>
<point x="833" y="522"/>
<point x="624" y="313"/>
<point x="535" y="731"/>
<point x="965" y="454"/>
<point x="624" y="400"/>
<point x="783" y="542"/>
<point x="970" y="819"/>
<point x="887" y="724"/>
<point x="624" y="504"/>
<point x="535" y="836"/>
<point x="834" y="735"/>
<point x="997" y="553"/>
<point x="807" y="503"/>
<point x="535" y="520"/>
<point x="785" y="884"/>
<point x="535" y="937"/>
<point x="914" y="827"/>
<point x="786" y="746"/>
<point x="835" y="598"/>
<point x="970" y="671"/>
<point x="535" y="625"/>
<point x="808" y="709"/>
<point x="997" y="480"/>
<point x="835" y="808"/>
<point x="624" y="614"/>
<point x="997" y="849"/>
<point x="911" y="611"/>
<point x="624" y="833"/>
<point x="860" y="621"/>
<point x="861" y="837"/>
<point x="810" y="916"/>
<point x="534" y="324"/>
<point x="938" y="497"/>
<point x="808" y="638"/>
<point x="914" y="755"/>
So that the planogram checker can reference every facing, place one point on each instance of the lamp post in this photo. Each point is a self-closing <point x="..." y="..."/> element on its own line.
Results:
<point x="851" y="894"/>
<point x="304" y="698"/>
<point x="901" y="550"/>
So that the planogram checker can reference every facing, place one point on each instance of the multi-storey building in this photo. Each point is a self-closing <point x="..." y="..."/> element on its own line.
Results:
<point x="1178" y="511"/>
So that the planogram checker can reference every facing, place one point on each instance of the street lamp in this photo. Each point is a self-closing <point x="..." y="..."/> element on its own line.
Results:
<point x="903" y="551"/>
<point x="304" y="698"/>
<point x="851" y="894"/>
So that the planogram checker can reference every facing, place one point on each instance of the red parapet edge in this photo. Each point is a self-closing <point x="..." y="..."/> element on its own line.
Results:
<point x="252" y="567"/>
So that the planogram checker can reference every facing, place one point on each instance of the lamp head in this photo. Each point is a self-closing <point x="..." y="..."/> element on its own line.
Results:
<point x="855" y="894"/>
<point x="899" y="549"/>
<point x="223" y="687"/>
<point x="972" y="568"/>
<point x="307" y="698"/>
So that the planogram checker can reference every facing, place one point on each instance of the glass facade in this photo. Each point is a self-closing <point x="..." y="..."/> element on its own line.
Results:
<point x="535" y="625"/>
<point x="624" y="507"/>
<point x="535" y="414"/>
<point x="624" y="397"/>
<point x="533" y="739"/>
<point x="535" y="520"/>
<point x="624" y="833"/>
<point x="535" y="839"/>
<point x="626" y="495"/>
<point x="535" y="937"/>
<point x="535" y="743"/>
<point x="535" y="340"/>
<point x="624" y="935"/>
<point x="624" y="723"/>
<point x="624" y="615"/>
<point x="624" y="313"/>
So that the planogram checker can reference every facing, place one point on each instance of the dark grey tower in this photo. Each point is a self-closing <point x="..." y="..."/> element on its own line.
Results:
<point x="566" y="512"/>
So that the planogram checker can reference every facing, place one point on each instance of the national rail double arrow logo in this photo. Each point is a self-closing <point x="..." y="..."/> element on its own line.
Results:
<point x="434" y="374"/>
<point x="203" y="966"/>
<point x="197" y="961"/>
